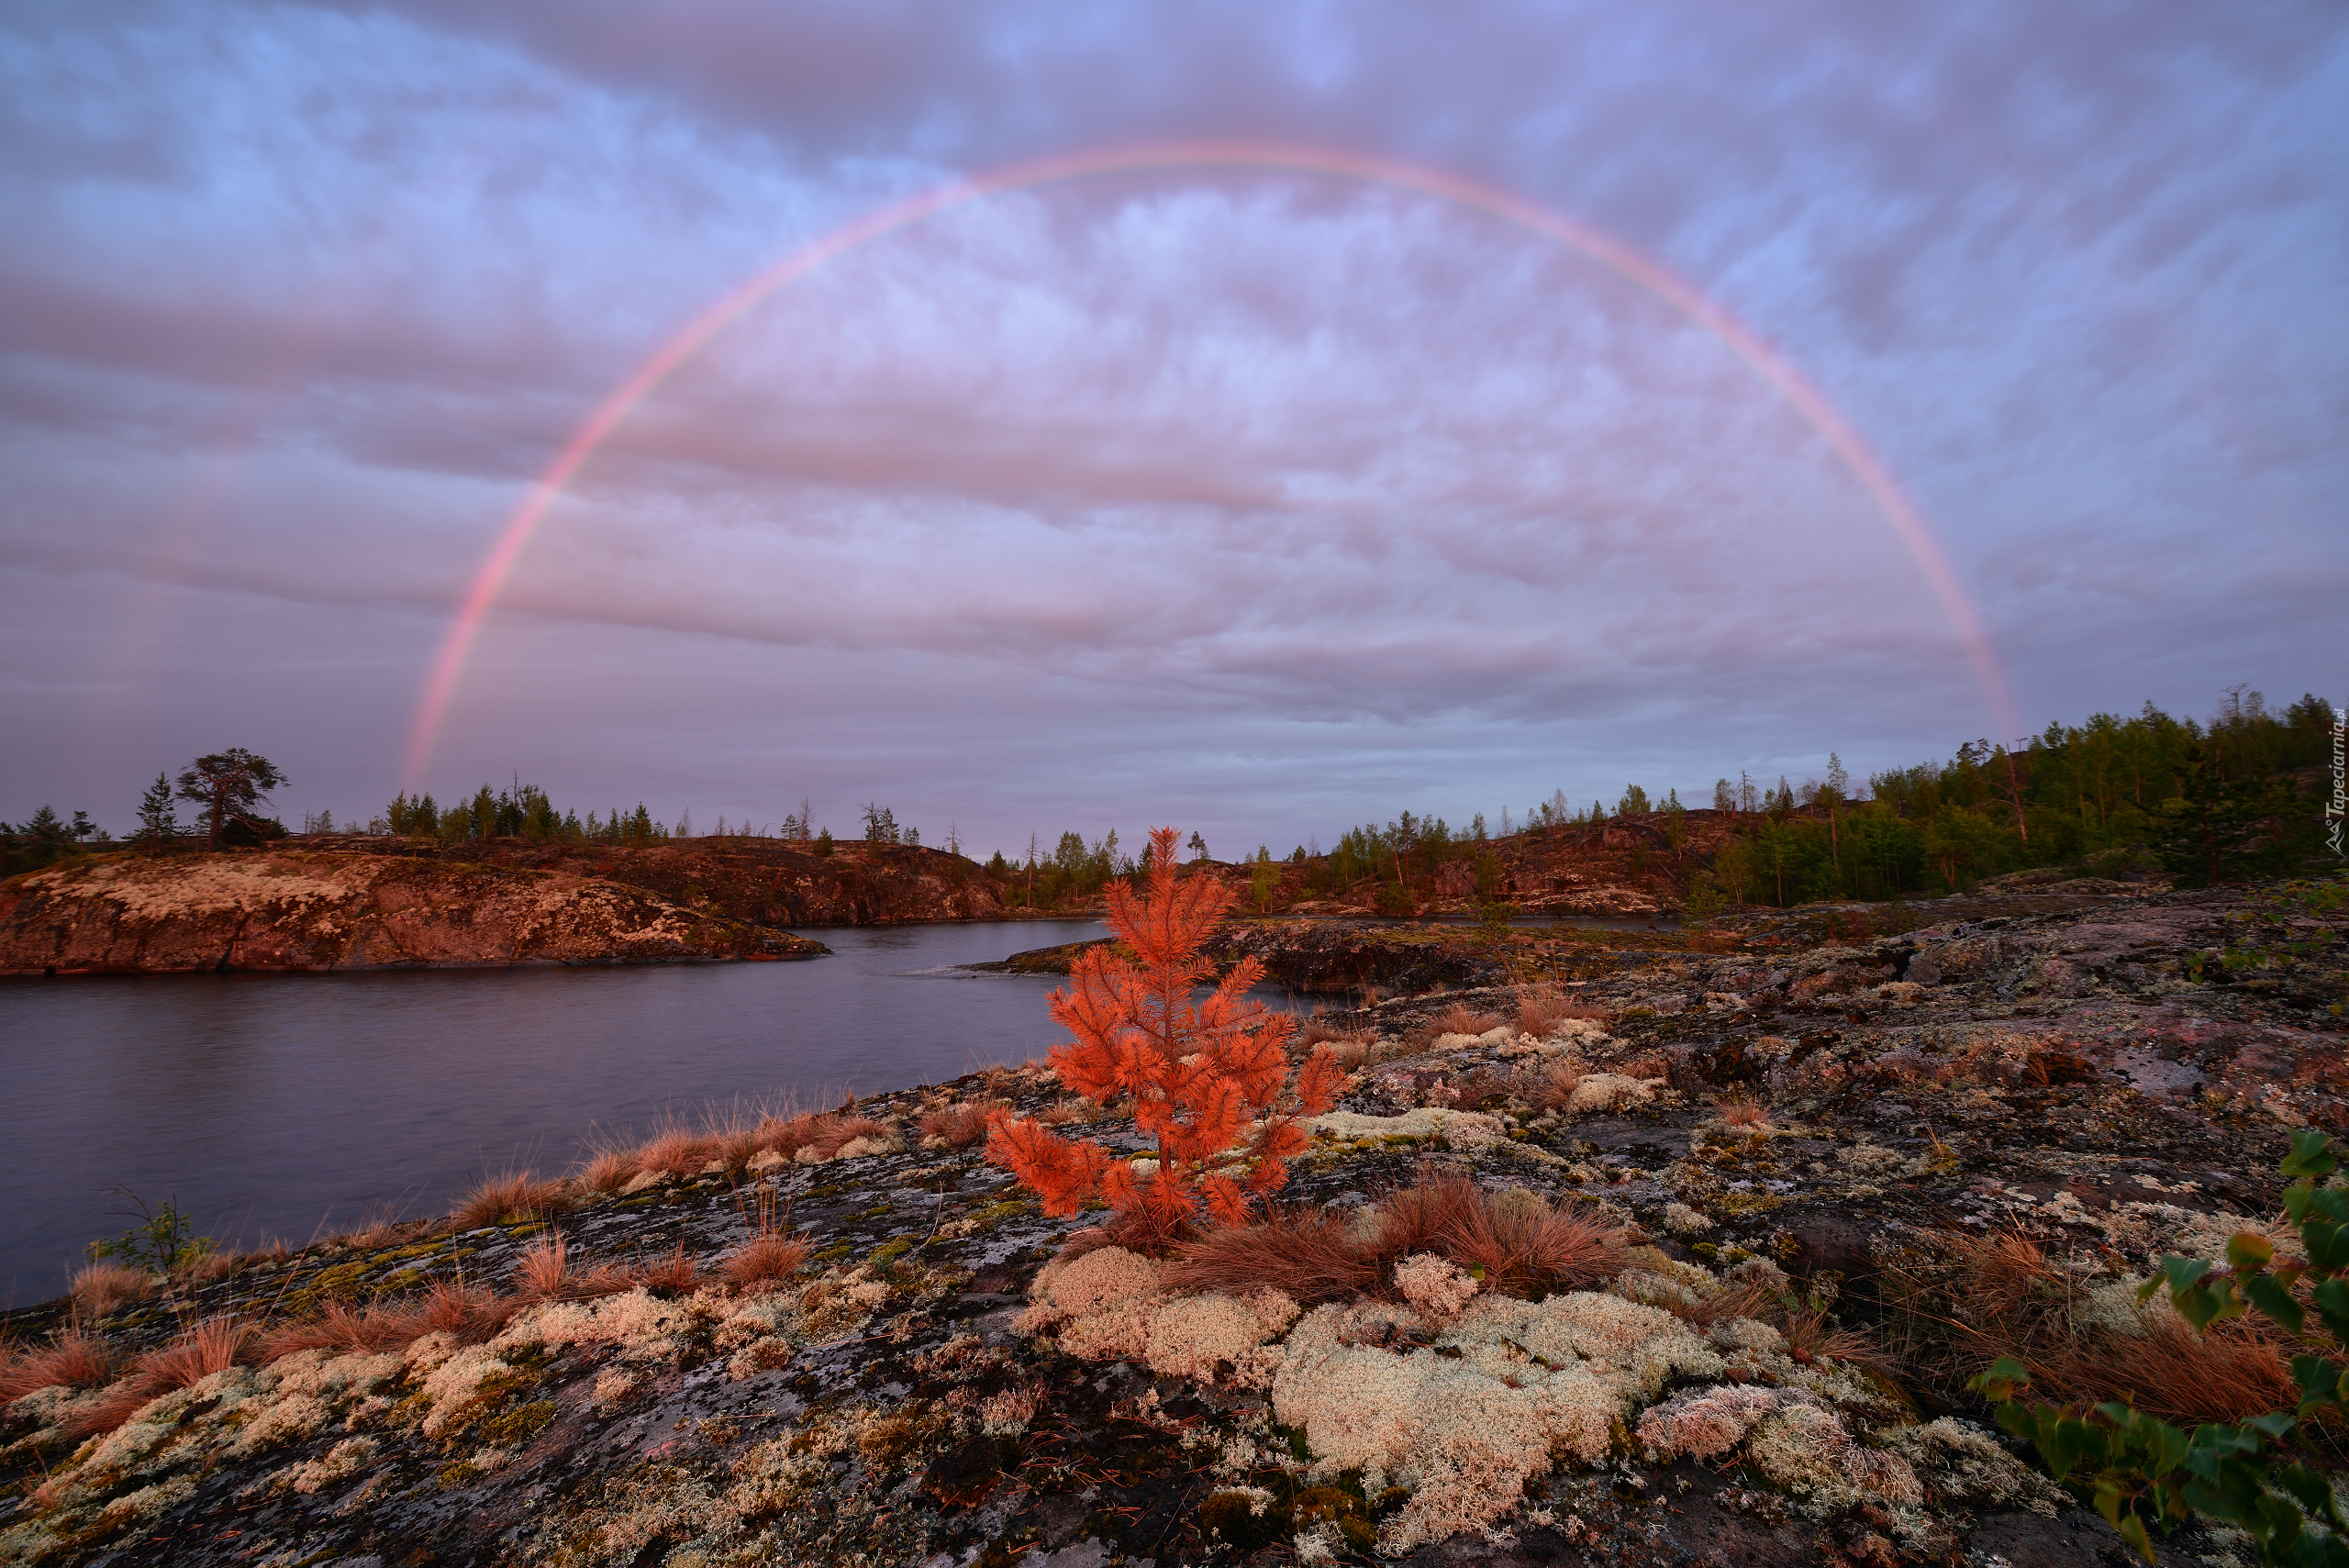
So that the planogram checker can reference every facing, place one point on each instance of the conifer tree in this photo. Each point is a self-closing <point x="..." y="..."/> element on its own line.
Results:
<point x="1210" y="1080"/>
<point x="159" y="820"/>
<point x="230" y="785"/>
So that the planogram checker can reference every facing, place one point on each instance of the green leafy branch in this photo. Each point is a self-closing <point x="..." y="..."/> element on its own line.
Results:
<point x="164" y="1239"/>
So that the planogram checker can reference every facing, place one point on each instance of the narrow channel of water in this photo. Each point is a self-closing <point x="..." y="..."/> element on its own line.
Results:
<point x="282" y="1104"/>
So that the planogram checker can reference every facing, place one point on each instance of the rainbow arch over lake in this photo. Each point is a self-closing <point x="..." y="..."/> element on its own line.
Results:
<point x="1898" y="513"/>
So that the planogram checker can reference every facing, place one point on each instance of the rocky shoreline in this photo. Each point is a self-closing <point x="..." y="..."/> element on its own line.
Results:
<point x="316" y="911"/>
<point x="1793" y="1118"/>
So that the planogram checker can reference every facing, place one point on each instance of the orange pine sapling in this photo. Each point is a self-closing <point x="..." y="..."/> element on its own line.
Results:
<point x="1210" y="1080"/>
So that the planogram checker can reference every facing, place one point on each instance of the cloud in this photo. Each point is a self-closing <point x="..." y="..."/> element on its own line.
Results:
<point x="1326" y="497"/>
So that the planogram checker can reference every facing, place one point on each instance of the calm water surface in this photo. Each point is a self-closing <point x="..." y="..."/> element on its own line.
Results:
<point x="276" y="1104"/>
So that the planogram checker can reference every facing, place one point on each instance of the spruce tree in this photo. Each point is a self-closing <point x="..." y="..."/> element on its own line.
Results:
<point x="159" y="819"/>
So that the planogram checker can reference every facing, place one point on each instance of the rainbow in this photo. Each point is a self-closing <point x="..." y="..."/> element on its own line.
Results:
<point x="1808" y="402"/>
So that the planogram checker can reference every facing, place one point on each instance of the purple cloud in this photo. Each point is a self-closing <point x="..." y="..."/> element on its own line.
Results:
<point x="1268" y="503"/>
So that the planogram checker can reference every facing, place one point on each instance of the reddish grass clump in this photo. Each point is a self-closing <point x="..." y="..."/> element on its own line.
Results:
<point x="674" y="1152"/>
<point x="608" y="1171"/>
<point x="1457" y="1018"/>
<point x="544" y="1273"/>
<point x="676" y="1275"/>
<point x="73" y="1359"/>
<point x="825" y="1133"/>
<point x="100" y="1288"/>
<point x="958" y="1126"/>
<point x="214" y="1345"/>
<point x="1541" y="1008"/>
<point x="1318" y="1028"/>
<point x="1739" y="1108"/>
<point x="1995" y="1295"/>
<point x="1308" y="1255"/>
<point x="510" y="1197"/>
<point x="734" y="1148"/>
<point x="1524" y="1245"/>
<point x="453" y="1308"/>
<point x="338" y="1328"/>
<point x="764" y="1259"/>
<point x="1556" y="1089"/>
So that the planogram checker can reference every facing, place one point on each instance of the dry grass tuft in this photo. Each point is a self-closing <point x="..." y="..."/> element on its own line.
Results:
<point x="1555" y="1091"/>
<point x="452" y="1307"/>
<point x="380" y="1230"/>
<point x="1060" y="1113"/>
<point x="773" y="1254"/>
<point x="1812" y="1337"/>
<point x="1320" y="1030"/>
<point x="734" y="1147"/>
<point x="1541" y="1008"/>
<point x="1457" y="1018"/>
<point x="825" y="1133"/>
<point x="338" y="1328"/>
<point x="765" y="1259"/>
<point x="1308" y="1255"/>
<point x="1525" y="1246"/>
<point x="1739" y="1108"/>
<point x="510" y="1197"/>
<point x="675" y="1151"/>
<point x="544" y="1269"/>
<point x="1984" y="1297"/>
<point x="100" y="1288"/>
<point x="607" y="1170"/>
<point x="214" y="1345"/>
<point x="1528" y="1247"/>
<point x="676" y="1275"/>
<point x="544" y="1273"/>
<point x="957" y="1125"/>
<point x="1751" y="1299"/>
<point x="73" y="1359"/>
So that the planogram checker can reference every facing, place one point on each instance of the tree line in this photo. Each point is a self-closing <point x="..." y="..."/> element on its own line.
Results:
<point x="2204" y="801"/>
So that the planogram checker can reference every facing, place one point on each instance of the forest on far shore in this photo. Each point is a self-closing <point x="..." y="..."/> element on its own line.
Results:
<point x="2242" y="794"/>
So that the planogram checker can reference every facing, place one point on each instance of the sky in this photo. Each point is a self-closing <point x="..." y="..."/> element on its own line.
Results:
<point x="1385" y="407"/>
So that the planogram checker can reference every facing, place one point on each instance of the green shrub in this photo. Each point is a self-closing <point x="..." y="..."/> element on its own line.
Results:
<point x="164" y="1239"/>
<point x="2261" y="1476"/>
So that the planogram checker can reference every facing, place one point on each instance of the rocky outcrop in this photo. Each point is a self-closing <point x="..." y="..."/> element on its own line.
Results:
<point x="763" y="882"/>
<point x="1325" y="957"/>
<point x="291" y="909"/>
<point x="2108" y="1084"/>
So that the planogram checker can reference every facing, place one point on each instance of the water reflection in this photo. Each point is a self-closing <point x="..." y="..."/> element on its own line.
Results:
<point x="276" y="1104"/>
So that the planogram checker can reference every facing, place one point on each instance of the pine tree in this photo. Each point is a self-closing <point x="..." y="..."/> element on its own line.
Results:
<point x="159" y="819"/>
<point x="230" y="785"/>
<point x="1210" y="1080"/>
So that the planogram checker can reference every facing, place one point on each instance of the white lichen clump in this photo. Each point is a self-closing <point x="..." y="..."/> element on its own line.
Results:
<point x="1462" y="1128"/>
<point x="1109" y="1304"/>
<point x="1683" y="1220"/>
<point x="1436" y="1287"/>
<point x="1464" y="1431"/>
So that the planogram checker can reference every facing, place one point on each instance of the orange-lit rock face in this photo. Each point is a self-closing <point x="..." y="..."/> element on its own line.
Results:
<point x="294" y="909"/>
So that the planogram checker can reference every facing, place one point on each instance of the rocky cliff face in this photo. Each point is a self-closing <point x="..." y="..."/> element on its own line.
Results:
<point x="291" y="909"/>
<point x="765" y="882"/>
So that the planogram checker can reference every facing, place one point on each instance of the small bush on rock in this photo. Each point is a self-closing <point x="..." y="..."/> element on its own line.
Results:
<point x="1210" y="1080"/>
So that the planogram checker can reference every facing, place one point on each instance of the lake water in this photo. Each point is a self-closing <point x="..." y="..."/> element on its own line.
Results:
<point x="285" y="1105"/>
